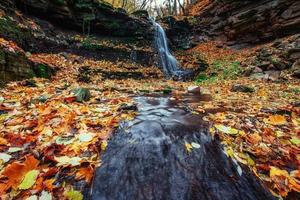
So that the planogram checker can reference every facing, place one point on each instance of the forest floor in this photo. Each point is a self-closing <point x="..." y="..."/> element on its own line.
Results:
<point x="53" y="132"/>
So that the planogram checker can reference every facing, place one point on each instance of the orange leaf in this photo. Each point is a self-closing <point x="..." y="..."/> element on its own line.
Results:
<point x="86" y="173"/>
<point x="275" y="120"/>
<point x="3" y="141"/>
<point x="16" y="171"/>
<point x="48" y="184"/>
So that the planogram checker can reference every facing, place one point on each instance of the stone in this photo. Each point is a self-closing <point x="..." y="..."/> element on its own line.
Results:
<point x="81" y="94"/>
<point x="242" y="88"/>
<point x="194" y="89"/>
<point x="257" y="70"/>
<point x="272" y="75"/>
<point x="128" y="107"/>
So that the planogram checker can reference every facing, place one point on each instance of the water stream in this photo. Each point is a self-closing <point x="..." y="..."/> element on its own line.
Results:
<point x="168" y="62"/>
<point x="147" y="159"/>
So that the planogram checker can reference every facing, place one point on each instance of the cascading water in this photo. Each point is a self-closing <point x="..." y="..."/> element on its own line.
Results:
<point x="168" y="62"/>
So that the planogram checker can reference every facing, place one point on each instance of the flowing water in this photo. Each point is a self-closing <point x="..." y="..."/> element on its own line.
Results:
<point x="168" y="62"/>
<point x="147" y="159"/>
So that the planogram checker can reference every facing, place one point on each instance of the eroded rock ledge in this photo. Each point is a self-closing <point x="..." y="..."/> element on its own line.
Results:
<point x="246" y="22"/>
<point x="87" y="16"/>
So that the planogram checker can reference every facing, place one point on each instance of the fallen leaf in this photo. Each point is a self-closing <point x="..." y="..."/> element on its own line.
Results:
<point x="195" y="145"/>
<point x="86" y="173"/>
<point x="73" y="195"/>
<point x="188" y="147"/>
<point x="275" y="120"/>
<point x="5" y="157"/>
<point x="33" y="197"/>
<point x="65" y="160"/>
<point x="29" y="179"/>
<point x="14" y="149"/>
<point x="45" y="196"/>
<point x="16" y="171"/>
<point x="103" y="145"/>
<point x="85" y="137"/>
<point x="295" y="141"/>
<point x="226" y="129"/>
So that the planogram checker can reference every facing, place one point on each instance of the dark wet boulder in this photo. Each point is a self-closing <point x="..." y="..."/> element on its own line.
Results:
<point x="147" y="159"/>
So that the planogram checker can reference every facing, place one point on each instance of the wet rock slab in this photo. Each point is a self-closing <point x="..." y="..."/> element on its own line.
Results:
<point x="147" y="159"/>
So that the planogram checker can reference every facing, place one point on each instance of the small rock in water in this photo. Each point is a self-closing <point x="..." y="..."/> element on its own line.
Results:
<point x="81" y="94"/>
<point x="194" y="89"/>
<point x="242" y="88"/>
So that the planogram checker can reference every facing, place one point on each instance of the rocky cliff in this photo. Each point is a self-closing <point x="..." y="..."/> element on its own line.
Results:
<point x="89" y="16"/>
<point x="245" y="22"/>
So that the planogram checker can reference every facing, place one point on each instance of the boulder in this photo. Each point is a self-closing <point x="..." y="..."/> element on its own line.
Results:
<point x="194" y="89"/>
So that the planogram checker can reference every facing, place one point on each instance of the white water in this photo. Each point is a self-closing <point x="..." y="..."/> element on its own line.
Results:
<point x="169" y="63"/>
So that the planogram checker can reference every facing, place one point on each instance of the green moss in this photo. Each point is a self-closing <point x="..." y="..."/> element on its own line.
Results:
<point x="220" y="70"/>
<point x="89" y="44"/>
<point x="42" y="71"/>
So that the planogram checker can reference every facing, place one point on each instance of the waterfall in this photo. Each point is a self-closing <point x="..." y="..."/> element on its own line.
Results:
<point x="169" y="63"/>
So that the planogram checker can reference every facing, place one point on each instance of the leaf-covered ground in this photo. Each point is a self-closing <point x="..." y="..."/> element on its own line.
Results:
<point x="52" y="132"/>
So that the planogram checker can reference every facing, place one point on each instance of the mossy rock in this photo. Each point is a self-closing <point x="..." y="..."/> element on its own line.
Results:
<point x="42" y="71"/>
<point x="81" y="94"/>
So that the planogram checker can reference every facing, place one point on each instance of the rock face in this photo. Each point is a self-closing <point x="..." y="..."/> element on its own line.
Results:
<point x="14" y="65"/>
<point x="178" y="31"/>
<point x="87" y="16"/>
<point x="280" y="55"/>
<point x="247" y="22"/>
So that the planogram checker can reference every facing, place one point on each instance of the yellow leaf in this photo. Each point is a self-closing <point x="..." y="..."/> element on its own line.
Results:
<point x="103" y="145"/>
<point x="73" y="195"/>
<point x="274" y="171"/>
<point x="188" y="147"/>
<point x="29" y="179"/>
